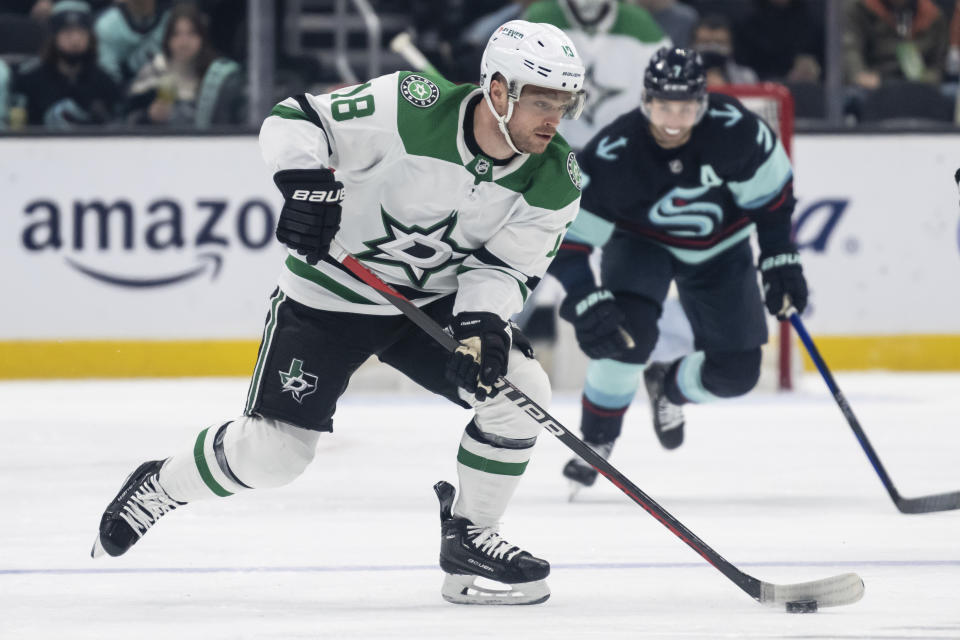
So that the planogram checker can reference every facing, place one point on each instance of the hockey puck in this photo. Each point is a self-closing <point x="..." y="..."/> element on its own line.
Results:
<point x="802" y="606"/>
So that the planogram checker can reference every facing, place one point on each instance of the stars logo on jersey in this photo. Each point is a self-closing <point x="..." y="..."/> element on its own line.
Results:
<point x="419" y="252"/>
<point x="297" y="381"/>
<point x="597" y="94"/>
<point x="573" y="170"/>
<point x="419" y="91"/>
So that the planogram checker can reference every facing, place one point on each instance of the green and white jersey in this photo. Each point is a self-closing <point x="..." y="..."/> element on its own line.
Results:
<point x="615" y="54"/>
<point x="419" y="209"/>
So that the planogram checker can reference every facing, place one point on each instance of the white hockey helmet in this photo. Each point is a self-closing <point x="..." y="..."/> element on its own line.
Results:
<point x="532" y="53"/>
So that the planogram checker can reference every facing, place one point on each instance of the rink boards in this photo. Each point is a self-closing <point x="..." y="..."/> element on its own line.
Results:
<point x="135" y="257"/>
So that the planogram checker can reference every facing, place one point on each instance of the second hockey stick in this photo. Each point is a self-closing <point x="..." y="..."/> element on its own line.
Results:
<point x="923" y="504"/>
<point x="834" y="591"/>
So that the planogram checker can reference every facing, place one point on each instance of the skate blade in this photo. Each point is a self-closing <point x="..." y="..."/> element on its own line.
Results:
<point x="575" y="488"/>
<point x="97" y="549"/>
<point x="462" y="589"/>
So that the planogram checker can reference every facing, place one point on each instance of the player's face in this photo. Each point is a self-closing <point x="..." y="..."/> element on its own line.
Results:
<point x="672" y="120"/>
<point x="536" y="116"/>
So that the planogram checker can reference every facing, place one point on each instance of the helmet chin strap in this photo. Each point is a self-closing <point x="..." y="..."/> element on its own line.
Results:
<point x="503" y="120"/>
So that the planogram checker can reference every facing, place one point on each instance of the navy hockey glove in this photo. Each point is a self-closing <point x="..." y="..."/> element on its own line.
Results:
<point x="598" y="321"/>
<point x="482" y="356"/>
<point x="783" y="276"/>
<point x="310" y="216"/>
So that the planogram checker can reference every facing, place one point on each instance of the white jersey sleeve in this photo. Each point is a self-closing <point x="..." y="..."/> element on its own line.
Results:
<point x="351" y="128"/>
<point x="499" y="277"/>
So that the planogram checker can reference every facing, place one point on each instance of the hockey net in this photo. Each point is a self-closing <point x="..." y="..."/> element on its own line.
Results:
<point x="774" y="104"/>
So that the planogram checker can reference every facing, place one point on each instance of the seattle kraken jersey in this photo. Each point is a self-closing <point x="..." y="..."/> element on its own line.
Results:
<point x="420" y="209"/>
<point x="615" y="53"/>
<point x="697" y="199"/>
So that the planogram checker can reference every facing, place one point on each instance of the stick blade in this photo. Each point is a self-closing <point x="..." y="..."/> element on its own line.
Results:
<point x="930" y="504"/>
<point x="835" y="591"/>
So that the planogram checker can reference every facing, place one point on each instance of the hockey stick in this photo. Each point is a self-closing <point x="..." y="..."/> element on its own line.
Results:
<point x="402" y="43"/>
<point x="837" y="590"/>
<point x="924" y="504"/>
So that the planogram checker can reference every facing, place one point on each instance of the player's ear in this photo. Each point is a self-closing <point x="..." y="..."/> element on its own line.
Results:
<point x="498" y="94"/>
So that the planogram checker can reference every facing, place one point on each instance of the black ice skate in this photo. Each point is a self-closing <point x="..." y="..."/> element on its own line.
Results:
<point x="138" y="506"/>
<point x="667" y="416"/>
<point x="580" y="473"/>
<point x="468" y="552"/>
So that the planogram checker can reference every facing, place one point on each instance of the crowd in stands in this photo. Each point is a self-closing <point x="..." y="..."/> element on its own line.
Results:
<point x="72" y="64"/>
<point x="901" y="58"/>
<point x="69" y="64"/>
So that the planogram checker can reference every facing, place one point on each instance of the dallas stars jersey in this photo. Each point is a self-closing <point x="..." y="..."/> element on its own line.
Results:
<point x="420" y="209"/>
<point x="697" y="199"/>
<point x="615" y="54"/>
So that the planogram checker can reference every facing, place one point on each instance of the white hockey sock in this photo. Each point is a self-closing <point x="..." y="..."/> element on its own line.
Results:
<point x="488" y="477"/>
<point x="246" y="453"/>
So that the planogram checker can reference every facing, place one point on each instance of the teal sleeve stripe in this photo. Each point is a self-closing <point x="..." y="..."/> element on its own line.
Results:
<point x="316" y="276"/>
<point x="288" y="112"/>
<point x="690" y="380"/>
<point x="590" y="228"/>
<point x="201" y="460"/>
<point x="486" y="465"/>
<point x="766" y="183"/>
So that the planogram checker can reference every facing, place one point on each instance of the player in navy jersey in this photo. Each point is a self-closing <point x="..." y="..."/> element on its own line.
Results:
<point x="672" y="191"/>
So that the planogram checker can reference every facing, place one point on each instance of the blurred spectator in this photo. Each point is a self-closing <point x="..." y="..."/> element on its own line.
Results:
<point x="130" y="34"/>
<point x="888" y="40"/>
<point x="437" y="29"/>
<point x="66" y="87"/>
<point x="953" y="54"/>
<point x="675" y="18"/>
<point x="713" y="39"/>
<point x="615" y="41"/>
<point x="4" y="95"/>
<point x="188" y="84"/>
<point x="475" y="35"/>
<point x="37" y="9"/>
<point x="781" y="40"/>
<point x="23" y="26"/>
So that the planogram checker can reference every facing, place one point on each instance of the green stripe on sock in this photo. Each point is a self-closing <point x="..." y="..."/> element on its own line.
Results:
<point x="486" y="465"/>
<point x="201" y="461"/>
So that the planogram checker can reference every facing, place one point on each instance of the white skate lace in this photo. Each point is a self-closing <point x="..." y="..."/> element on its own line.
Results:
<point x="147" y="505"/>
<point x="669" y="415"/>
<point x="489" y="542"/>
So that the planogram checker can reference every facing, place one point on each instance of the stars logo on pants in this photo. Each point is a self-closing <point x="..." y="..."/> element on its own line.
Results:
<point x="297" y="381"/>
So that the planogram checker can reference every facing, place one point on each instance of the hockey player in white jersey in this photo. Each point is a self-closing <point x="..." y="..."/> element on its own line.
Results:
<point x="458" y="196"/>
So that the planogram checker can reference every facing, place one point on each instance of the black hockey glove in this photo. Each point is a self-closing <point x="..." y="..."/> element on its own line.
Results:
<point x="311" y="210"/>
<point x="598" y="321"/>
<point x="482" y="357"/>
<point x="783" y="276"/>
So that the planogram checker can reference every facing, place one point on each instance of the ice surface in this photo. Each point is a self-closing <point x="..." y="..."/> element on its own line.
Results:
<point x="776" y="483"/>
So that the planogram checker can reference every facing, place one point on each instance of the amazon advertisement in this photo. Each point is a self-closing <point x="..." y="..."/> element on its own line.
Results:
<point x="156" y="256"/>
<point x="130" y="250"/>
